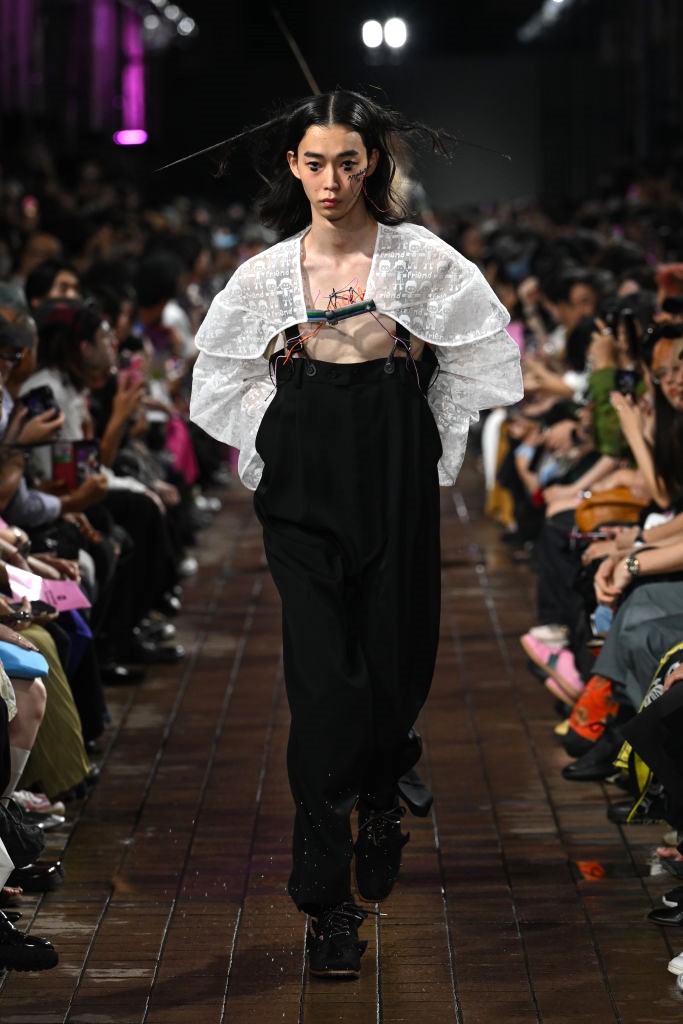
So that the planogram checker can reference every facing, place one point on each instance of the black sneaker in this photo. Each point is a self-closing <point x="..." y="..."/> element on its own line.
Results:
<point x="332" y="943"/>
<point x="378" y="852"/>
<point x="22" y="952"/>
<point x="650" y="811"/>
<point x="673" y="898"/>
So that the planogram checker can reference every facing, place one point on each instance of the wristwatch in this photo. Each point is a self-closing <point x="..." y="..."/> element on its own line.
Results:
<point x="633" y="566"/>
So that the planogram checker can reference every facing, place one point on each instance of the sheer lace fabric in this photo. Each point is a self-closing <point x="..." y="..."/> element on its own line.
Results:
<point x="417" y="280"/>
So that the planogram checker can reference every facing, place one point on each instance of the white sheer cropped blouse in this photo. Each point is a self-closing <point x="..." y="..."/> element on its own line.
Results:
<point x="416" y="279"/>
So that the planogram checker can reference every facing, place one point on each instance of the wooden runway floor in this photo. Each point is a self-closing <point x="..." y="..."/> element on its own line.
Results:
<point x="518" y="901"/>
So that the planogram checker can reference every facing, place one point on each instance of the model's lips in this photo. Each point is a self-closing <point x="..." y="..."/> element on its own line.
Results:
<point x="330" y="202"/>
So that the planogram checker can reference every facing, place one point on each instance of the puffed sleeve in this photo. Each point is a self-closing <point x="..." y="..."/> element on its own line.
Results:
<point x="479" y="369"/>
<point x="231" y="387"/>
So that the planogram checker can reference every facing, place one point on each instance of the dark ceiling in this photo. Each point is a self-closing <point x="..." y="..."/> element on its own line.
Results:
<point x="437" y="27"/>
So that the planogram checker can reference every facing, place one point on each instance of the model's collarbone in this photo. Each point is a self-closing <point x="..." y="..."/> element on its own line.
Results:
<point x="331" y="283"/>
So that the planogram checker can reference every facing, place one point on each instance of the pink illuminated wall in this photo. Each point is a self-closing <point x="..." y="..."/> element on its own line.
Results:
<point x="17" y="22"/>
<point x="132" y="81"/>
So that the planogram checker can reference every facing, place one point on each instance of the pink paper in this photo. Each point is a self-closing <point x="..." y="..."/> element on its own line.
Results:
<point x="64" y="595"/>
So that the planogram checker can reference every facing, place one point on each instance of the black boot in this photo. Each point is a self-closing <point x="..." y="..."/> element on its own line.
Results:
<point x="598" y="763"/>
<point x="378" y="851"/>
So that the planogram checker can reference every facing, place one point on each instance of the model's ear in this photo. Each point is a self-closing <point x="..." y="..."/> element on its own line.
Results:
<point x="293" y="165"/>
<point x="372" y="161"/>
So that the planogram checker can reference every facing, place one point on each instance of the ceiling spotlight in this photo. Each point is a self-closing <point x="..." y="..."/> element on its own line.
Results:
<point x="172" y="12"/>
<point x="151" y="22"/>
<point x="395" y="32"/>
<point x="186" y="26"/>
<point x="372" y="34"/>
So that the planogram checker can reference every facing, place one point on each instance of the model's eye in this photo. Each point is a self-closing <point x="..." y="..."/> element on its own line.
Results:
<point x="313" y="165"/>
<point x="348" y="165"/>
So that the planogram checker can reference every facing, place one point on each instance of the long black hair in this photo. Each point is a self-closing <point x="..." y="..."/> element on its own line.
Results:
<point x="283" y="204"/>
<point x="62" y="325"/>
<point x="667" y="449"/>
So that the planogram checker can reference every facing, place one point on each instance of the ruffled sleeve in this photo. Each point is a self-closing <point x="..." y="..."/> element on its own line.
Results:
<point x="479" y="369"/>
<point x="231" y="387"/>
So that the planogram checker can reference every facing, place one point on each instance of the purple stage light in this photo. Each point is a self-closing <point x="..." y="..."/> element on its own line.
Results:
<point x="130" y="137"/>
<point x="132" y="83"/>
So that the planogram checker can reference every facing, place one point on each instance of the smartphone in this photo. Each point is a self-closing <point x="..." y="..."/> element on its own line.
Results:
<point x="39" y="400"/>
<point x="74" y="461"/>
<point x="625" y="382"/>
<point x="132" y="369"/>
<point x="37" y="608"/>
<point x="63" y="464"/>
<point x="18" y="615"/>
<point x="86" y="459"/>
<point x="42" y="608"/>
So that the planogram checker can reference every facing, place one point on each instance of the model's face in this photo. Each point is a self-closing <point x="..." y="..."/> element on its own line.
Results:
<point x="667" y="370"/>
<point x="331" y="162"/>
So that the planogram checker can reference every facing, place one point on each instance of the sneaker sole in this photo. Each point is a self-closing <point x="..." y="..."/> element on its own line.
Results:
<point x="566" y="693"/>
<point x="674" y="969"/>
<point x="348" y="974"/>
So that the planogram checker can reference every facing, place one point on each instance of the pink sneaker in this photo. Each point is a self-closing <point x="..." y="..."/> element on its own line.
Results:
<point x="559" y="664"/>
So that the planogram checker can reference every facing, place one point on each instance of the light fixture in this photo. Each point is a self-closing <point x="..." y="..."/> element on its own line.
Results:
<point x="372" y="34"/>
<point x="130" y="137"/>
<point x="395" y="33"/>
<point x="550" y="13"/>
<point x="186" y="26"/>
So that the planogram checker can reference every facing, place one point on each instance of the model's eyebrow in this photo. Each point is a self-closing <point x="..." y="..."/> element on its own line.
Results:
<point x="320" y="156"/>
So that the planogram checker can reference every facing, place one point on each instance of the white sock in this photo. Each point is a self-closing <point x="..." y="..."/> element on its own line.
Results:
<point x="18" y="758"/>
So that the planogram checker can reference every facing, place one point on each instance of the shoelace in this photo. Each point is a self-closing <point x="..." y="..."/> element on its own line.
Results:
<point x="338" y="920"/>
<point x="376" y="825"/>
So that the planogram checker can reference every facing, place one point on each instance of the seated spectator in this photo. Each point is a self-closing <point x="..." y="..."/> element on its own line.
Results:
<point x="52" y="279"/>
<point x="76" y="354"/>
<point x="17" y="950"/>
<point x="648" y="615"/>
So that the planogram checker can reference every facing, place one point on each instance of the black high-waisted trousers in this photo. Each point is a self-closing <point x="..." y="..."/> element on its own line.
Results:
<point x="349" y="504"/>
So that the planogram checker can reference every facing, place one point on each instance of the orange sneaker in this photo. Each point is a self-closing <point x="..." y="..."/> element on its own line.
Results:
<point x="589" y="715"/>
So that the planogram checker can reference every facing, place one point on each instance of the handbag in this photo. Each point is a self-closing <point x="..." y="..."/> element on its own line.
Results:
<point x="21" y="663"/>
<point x="23" y="842"/>
<point x="617" y="505"/>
